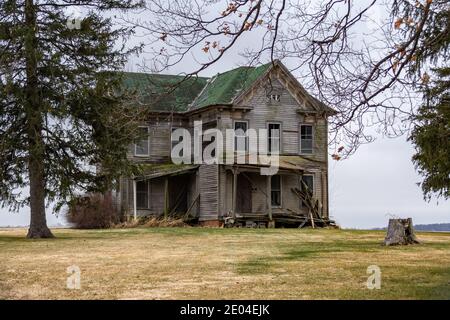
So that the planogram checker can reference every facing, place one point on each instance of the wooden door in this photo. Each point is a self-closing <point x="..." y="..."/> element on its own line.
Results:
<point x="244" y="195"/>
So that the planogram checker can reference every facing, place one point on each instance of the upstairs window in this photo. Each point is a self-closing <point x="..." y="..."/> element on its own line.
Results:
<point x="173" y="143"/>
<point x="142" y="146"/>
<point x="306" y="139"/>
<point x="240" y="136"/>
<point x="274" y="134"/>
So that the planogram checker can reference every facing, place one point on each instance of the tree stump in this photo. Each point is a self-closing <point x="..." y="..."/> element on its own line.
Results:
<point x="400" y="232"/>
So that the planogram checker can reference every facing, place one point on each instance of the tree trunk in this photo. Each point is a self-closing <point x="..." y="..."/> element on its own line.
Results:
<point x="38" y="222"/>
<point x="400" y="232"/>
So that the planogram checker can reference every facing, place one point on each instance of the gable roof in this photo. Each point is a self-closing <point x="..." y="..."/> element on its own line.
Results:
<point x="176" y="93"/>
<point x="223" y="88"/>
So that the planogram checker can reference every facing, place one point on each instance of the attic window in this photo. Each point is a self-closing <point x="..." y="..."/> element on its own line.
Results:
<point x="275" y="97"/>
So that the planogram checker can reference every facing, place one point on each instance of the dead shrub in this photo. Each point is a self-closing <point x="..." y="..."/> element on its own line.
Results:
<point x="92" y="212"/>
<point x="153" y="222"/>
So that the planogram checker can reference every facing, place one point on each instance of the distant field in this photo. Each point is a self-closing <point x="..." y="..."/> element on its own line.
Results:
<point x="203" y="263"/>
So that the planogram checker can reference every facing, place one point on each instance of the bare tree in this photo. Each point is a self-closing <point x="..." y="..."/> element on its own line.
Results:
<point x="359" y="57"/>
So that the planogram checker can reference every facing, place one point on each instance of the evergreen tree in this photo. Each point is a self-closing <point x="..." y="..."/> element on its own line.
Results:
<point x="431" y="124"/>
<point x="431" y="137"/>
<point x="62" y="115"/>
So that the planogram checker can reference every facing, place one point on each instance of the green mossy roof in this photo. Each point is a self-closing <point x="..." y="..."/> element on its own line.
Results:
<point x="222" y="88"/>
<point x="164" y="92"/>
<point x="174" y="93"/>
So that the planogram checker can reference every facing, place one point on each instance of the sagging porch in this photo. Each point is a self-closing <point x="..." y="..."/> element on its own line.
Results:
<point x="294" y="197"/>
<point x="166" y="191"/>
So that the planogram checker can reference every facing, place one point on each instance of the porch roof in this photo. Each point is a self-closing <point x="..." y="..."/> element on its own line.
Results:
<point x="151" y="171"/>
<point x="290" y="163"/>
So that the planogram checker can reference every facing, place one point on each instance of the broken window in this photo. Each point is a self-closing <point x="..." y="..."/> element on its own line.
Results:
<point x="276" y="191"/>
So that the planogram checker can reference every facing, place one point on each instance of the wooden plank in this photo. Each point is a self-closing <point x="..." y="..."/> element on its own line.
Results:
<point x="268" y="196"/>
<point x="188" y="211"/>
<point x="166" y="197"/>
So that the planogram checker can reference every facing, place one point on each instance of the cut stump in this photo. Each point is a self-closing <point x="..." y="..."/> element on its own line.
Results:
<point x="400" y="232"/>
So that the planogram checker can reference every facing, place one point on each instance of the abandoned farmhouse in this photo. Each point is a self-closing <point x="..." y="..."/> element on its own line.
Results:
<point x="264" y="97"/>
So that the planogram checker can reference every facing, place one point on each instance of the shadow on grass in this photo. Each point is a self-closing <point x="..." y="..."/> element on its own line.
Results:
<point x="322" y="250"/>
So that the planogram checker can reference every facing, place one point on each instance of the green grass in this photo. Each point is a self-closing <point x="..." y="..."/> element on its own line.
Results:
<point x="212" y="263"/>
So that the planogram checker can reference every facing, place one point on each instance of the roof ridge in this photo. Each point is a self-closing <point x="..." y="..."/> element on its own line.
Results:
<point x="161" y="74"/>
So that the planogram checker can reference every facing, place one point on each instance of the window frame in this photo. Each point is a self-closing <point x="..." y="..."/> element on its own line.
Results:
<point x="235" y="136"/>
<point x="148" y="144"/>
<point x="280" y="191"/>
<point x="280" y="137"/>
<point x="312" y="138"/>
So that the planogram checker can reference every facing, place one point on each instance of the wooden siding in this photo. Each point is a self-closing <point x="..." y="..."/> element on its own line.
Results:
<point x="286" y="113"/>
<point x="208" y="187"/>
<point x="159" y="139"/>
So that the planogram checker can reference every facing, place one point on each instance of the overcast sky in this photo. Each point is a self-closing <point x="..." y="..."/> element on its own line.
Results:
<point x="373" y="184"/>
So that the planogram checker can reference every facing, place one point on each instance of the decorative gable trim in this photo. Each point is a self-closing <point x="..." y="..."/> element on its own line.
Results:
<point x="291" y="84"/>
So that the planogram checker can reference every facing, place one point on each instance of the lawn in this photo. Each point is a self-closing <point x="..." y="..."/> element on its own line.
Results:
<point x="209" y="263"/>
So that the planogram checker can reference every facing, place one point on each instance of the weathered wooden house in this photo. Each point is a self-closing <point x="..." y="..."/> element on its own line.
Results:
<point x="264" y="97"/>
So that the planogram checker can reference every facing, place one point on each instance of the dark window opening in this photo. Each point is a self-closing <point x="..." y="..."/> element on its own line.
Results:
<point x="142" y="194"/>
<point x="276" y="191"/>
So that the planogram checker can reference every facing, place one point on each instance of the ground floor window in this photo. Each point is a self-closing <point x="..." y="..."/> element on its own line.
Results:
<point x="307" y="185"/>
<point x="276" y="191"/>
<point x="142" y="194"/>
<point x="309" y="182"/>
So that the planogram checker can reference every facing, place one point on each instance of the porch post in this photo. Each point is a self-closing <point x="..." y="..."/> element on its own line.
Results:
<point x="269" y="196"/>
<point x="233" y="208"/>
<point x="166" y="197"/>
<point x="134" y="200"/>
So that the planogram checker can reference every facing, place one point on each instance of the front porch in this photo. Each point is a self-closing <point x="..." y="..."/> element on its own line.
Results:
<point x="164" y="190"/>
<point x="255" y="200"/>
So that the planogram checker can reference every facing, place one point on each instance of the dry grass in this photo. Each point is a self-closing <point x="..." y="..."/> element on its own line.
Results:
<point x="152" y="222"/>
<point x="207" y="263"/>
